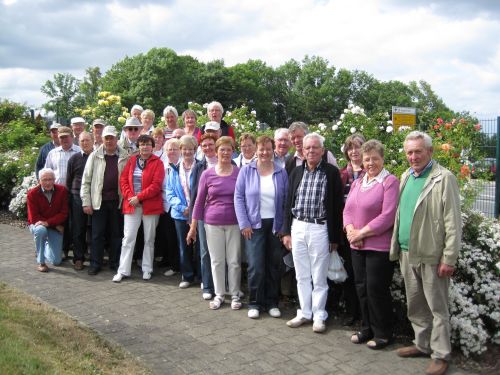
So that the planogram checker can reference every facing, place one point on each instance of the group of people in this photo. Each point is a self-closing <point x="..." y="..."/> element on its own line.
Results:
<point x="206" y="205"/>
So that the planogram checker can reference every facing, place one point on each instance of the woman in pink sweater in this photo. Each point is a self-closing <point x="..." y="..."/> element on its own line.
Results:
<point x="368" y="220"/>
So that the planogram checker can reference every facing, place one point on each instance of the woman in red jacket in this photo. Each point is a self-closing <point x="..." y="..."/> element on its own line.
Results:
<point x="141" y="187"/>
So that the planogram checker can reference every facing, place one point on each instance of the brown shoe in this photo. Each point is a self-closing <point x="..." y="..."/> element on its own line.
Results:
<point x="437" y="367"/>
<point x="78" y="265"/>
<point x="43" y="268"/>
<point x="410" y="352"/>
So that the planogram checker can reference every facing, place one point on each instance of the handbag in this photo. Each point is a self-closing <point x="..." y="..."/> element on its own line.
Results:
<point x="336" y="270"/>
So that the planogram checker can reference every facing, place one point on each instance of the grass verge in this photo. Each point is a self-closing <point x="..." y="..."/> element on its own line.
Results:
<point x="37" y="339"/>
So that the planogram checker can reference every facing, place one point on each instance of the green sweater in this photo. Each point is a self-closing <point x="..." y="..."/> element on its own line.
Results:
<point x="407" y="203"/>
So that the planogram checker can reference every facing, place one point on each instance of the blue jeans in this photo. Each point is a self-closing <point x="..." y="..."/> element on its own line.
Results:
<point x="264" y="259"/>
<point x="79" y="228"/>
<point x="205" y="262"/>
<point x="48" y="244"/>
<point x="106" y="224"/>
<point x="185" y="251"/>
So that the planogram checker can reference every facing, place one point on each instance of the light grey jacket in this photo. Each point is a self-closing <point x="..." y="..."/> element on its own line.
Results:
<point x="93" y="177"/>
<point x="436" y="230"/>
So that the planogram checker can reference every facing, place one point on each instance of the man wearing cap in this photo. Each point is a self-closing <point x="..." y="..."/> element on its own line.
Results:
<point x="57" y="159"/>
<point x="132" y="131"/>
<point x="211" y="127"/>
<point x="47" y="213"/>
<point x="97" y="128"/>
<point x="44" y="151"/>
<point x="135" y="111"/>
<point x="79" y="219"/>
<point x="77" y="125"/>
<point x="101" y="198"/>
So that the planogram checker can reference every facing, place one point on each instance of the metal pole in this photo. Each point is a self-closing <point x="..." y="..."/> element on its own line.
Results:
<point x="497" y="174"/>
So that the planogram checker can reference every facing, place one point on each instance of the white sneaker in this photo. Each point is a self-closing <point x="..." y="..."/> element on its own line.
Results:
<point x="207" y="296"/>
<point x="297" y="322"/>
<point x="146" y="275"/>
<point x="169" y="272"/>
<point x="184" y="284"/>
<point x="319" y="326"/>
<point x="117" y="278"/>
<point x="253" y="314"/>
<point x="275" y="312"/>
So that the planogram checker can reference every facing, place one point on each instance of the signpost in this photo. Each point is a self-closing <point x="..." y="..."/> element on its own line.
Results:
<point x="404" y="116"/>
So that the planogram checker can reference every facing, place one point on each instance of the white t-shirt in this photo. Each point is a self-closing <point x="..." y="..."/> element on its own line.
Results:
<point x="267" y="193"/>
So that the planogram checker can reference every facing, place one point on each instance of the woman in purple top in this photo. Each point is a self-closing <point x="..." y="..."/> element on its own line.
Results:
<point x="368" y="220"/>
<point x="259" y="200"/>
<point x="215" y="206"/>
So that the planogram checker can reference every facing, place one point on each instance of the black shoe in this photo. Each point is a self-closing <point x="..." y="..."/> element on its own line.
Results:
<point x="93" y="271"/>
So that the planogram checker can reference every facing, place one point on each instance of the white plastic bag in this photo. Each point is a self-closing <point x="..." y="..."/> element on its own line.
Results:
<point x="336" y="270"/>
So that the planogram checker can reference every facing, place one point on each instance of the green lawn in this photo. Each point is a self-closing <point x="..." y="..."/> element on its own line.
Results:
<point x="37" y="339"/>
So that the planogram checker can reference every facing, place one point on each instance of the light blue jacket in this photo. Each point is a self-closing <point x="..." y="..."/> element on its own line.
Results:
<point x="247" y="196"/>
<point x="175" y="194"/>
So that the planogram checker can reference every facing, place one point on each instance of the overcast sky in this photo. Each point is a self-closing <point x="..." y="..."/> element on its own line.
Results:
<point x="452" y="44"/>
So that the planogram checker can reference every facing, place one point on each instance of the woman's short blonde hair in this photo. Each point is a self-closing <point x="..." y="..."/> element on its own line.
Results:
<point x="157" y="131"/>
<point x="148" y="112"/>
<point x="171" y="141"/>
<point x="373" y="145"/>
<point x="225" y="141"/>
<point x="188" y="141"/>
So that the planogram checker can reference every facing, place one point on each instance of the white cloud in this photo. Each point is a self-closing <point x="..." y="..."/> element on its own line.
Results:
<point x="457" y="52"/>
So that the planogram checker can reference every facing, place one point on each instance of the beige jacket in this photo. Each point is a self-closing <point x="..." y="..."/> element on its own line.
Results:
<point x="436" y="230"/>
<point x="93" y="177"/>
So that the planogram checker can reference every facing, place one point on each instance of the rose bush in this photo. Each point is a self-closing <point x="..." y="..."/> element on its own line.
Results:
<point x="108" y="107"/>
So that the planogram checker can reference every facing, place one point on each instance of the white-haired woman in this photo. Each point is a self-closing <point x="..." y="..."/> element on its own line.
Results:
<point x="170" y="116"/>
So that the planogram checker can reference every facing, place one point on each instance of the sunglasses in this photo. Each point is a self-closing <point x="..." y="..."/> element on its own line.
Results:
<point x="133" y="129"/>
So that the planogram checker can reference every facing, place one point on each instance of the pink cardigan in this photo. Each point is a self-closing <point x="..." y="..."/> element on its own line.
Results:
<point x="375" y="207"/>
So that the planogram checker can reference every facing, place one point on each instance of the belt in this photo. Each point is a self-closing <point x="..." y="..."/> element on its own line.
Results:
<point x="320" y="221"/>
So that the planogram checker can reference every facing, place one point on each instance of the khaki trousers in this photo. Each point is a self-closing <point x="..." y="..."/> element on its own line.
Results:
<point x="224" y="246"/>
<point x="427" y="301"/>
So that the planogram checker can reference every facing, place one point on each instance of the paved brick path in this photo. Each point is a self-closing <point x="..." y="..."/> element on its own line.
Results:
<point x="174" y="332"/>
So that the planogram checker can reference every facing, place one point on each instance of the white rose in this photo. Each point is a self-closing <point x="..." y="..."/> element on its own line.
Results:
<point x="353" y="130"/>
<point x="335" y="127"/>
<point x="342" y="116"/>
<point x="389" y="122"/>
<point x="254" y="113"/>
<point x="339" y="123"/>
<point x="389" y="129"/>
<point x="321" y="126"/>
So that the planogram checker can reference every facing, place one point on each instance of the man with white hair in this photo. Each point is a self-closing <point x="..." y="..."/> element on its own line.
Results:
<point x="136" y="111"/>
<point x="283" y="144"/>
<point x="76" y="165"/>
<point x="215" y="112"/>
<point x="312" y="229"/>
<point x="47" y="213"/>
<point x="426" y="241"/>
<point x="298" y="130"/>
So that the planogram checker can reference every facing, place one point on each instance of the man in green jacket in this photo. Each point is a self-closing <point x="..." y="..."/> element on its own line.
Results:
<point x="426" y="241"/>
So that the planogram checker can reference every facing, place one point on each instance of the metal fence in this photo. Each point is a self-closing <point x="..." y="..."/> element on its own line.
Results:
<point x="488" y="200"/>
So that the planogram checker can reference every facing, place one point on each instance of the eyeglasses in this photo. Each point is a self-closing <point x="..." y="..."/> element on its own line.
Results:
<point x="133" y="129"/>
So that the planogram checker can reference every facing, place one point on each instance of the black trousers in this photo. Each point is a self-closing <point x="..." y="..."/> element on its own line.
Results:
<point x="373" y="275"/>
<point x="345" y="291"/>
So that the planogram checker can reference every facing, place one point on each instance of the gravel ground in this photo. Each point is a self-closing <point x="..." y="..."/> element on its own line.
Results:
<point x="9" y="218"/>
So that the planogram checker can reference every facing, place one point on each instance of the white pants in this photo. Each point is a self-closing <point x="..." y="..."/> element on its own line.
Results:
<point x="132" y="222"/>
<point x="310" y="251"/>
<point x="224" y="245"/>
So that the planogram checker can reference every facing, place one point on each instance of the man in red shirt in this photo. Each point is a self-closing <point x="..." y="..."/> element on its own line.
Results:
<point x="47" y="213"/>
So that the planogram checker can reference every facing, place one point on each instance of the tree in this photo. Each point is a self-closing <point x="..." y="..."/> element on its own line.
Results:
<point x="91" y="85"/>
<point x="63" y="94"/>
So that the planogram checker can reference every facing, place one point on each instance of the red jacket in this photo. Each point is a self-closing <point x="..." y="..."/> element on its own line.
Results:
<point x="39" y="208"/>
<point x="152" y="182"/>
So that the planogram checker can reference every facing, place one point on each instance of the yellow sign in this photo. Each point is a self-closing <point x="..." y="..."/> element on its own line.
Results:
<point x="404" y="116"/>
